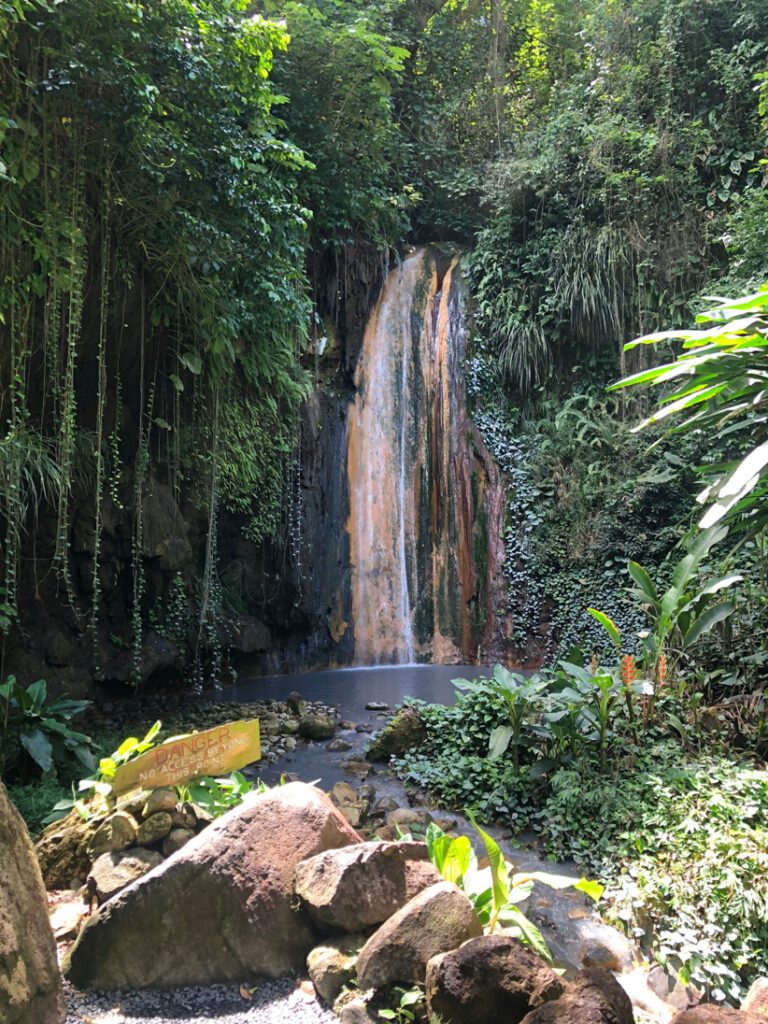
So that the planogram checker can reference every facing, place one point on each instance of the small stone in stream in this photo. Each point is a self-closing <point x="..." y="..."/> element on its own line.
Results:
<point x="385" y="804"/>
<point x="403" y="731"/>
<point x="153" y="829"/>
<point x="117" y="833"/>
<point x="175" y="839"/>
<point x="289" y="727"/>
<point x="598" y="955"/>
<point x="355" y="767"/>
<point x="669" y="988"/>
<point x="354" y="814"/>
<point x="290" y="743"/>
<point x="364" y="727"/>
<point x="111" y="872"/>
<point x="339" y="745"/>
<point x="317" y="726"/>
<point x="159" y="800"/>
<point x="376" y="705"/>
<point x="296" y="703"/>
<point x="342" y="793"/>
<point x="365" y="792"/>
<point x="269" y="726"/>
<point x="445" y="824"/>
<point x="346" y="724"/>
<point x="407" y="816"/>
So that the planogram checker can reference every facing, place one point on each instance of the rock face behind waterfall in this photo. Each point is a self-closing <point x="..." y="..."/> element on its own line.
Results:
<point x="220" y="909"/>
<point x="426" y="503"/>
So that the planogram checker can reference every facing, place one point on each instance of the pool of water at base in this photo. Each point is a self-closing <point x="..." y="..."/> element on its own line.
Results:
<point x="568" y="920"/>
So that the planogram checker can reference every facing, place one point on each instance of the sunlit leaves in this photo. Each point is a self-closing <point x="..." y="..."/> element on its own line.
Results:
<point x="719" y="384"/>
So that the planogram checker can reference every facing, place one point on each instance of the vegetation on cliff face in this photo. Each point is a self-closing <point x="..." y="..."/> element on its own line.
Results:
<point x="152" y="299"/>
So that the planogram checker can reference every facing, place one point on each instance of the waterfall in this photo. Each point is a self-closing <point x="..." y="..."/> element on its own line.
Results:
<point x="425" y="501"/>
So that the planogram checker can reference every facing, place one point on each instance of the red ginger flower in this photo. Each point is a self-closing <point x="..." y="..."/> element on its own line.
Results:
<point x="628" y="669"/>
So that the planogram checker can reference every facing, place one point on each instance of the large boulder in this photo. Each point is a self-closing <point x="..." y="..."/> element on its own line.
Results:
<point x="593" y="997"/>
<point x="358" y="886"/>
<point x="403" y="731"/>
<point x="708" y="1013"/>
<point x="30" y="983"/>
<point x="220" y="909"/>
<point x="492" y="977"/>
<point x="438" y="919"/>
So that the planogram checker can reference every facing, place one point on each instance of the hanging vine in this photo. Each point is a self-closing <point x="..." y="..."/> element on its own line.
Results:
<point x="210" y="592"/>
<point x="101" y="401"/>
<point x="68" y="401"/>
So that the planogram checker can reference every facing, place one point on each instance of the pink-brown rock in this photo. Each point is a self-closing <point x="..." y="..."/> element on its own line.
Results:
<point x="756" y="1000"/>
<point x="593" y="997"/>
<point x="358" y="886"/>
<point x="220" y="909"/>
<point x="490" y="978"/>
<point x="30" y="983"/>
<point x="435" y="921"/>
<point x="708" y="1013"/>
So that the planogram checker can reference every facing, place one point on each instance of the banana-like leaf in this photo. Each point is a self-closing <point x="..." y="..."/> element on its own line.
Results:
<point x="38" y="748"/>
<point x="707" y="620"/>
<point x="608" y="624"/>
<point x="457" y="859"/>
<point x="497" y="865"/>
<point x="516" y="921"/>
<point x="498" y="741"/>
<point x="643" y="580"/>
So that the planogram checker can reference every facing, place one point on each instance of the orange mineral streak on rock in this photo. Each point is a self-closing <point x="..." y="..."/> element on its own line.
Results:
<point x="421" y="481"/>
<point x="381" y="504"/>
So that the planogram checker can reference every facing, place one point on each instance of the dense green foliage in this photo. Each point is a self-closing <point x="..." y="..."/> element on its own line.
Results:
<point x="718" y="383"/>
<point x="617" y="773"/>
<point x="151" y="275"/>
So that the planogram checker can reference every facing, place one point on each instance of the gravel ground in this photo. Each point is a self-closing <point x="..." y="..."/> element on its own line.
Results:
<point x="273" y="1002"/>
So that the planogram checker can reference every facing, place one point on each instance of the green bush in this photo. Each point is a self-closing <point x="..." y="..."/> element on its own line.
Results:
<point x="35" y="799"/>
<point x="682" y="846"/>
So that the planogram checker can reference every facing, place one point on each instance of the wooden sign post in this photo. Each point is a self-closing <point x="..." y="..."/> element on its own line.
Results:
<point x="224" y="748"/>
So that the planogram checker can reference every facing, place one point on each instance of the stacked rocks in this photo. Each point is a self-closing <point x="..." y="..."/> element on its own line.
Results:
<point x="111" y="850"/>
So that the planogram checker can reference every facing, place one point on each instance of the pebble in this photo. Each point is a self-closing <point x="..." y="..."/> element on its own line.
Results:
<point x="271" y="1002"/>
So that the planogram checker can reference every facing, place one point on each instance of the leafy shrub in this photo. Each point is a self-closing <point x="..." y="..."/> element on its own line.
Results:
<point x="35" y="799"/>
<point x="682" y="848"/>
<point x="34" y="729"/>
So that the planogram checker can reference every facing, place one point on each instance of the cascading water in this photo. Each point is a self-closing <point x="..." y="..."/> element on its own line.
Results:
<point x="381" y="514"/>
<point x="426" y="505"/>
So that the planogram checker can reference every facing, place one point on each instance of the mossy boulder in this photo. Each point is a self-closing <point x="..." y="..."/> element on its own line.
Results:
<point x="404" y="730"/>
